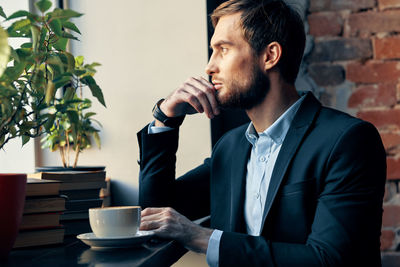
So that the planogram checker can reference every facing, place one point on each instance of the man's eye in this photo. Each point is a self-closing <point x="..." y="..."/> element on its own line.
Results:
<point x="224" y="50"/>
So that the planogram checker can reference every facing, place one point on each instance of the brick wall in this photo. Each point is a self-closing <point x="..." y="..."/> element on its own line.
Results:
<point x="356" y="61"/>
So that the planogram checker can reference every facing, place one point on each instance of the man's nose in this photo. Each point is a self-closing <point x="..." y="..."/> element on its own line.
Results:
<point x="211" y="67"/>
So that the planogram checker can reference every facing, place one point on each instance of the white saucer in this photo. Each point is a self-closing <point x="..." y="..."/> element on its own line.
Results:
<point x="105" y="243"/>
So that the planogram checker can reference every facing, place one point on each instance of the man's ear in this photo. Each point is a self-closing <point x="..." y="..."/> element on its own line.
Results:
<point x="271" y="56"/>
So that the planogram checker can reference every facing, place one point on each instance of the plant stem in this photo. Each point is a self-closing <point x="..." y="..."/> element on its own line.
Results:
<point x="62" y="156"/>
<point x="67" y="137"/>
<point x="77" y="150"/>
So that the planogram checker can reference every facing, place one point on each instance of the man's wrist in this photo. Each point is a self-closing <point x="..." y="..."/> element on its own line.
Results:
<point x="164" y="120"/>
<point x="198" y="240"/>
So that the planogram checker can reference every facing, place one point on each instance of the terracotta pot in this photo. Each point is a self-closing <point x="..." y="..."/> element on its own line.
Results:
<point x="12" y="200"/>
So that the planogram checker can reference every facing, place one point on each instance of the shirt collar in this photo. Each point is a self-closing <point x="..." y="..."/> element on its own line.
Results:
<point x="278" y="130"/>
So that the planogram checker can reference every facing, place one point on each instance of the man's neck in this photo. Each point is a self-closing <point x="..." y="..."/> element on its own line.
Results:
<point x="279" y="98"/>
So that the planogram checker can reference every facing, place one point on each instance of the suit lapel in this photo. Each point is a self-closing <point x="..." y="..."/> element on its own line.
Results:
<point x="301" y="123"/>
<point x="238" y="182"/>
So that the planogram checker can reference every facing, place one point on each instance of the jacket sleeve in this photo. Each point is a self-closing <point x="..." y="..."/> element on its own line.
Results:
<point x="348" y="214"/>
<point x="189" y="194"/>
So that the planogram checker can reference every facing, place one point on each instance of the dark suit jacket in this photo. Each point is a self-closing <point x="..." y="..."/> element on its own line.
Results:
<point x="324" y="202"/>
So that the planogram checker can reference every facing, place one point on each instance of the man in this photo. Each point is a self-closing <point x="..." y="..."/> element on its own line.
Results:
<point x="302" y="185"/>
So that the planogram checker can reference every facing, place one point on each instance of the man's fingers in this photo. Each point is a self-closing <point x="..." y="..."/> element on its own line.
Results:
<point x="149" y="225"/>
<point x="210" y="94"/>
<point x="202" y="97"/>
<point x="193" y="101"/>
<point x="149" y="211"/>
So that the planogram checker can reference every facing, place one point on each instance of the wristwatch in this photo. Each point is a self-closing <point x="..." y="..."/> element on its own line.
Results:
<point x="173" y="122"/>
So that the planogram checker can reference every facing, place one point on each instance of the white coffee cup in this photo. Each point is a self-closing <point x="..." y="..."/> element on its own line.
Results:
<point x="119" y="221"/>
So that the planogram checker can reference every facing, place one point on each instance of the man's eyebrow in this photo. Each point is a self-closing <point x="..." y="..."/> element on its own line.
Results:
<point x="219" y="43"/>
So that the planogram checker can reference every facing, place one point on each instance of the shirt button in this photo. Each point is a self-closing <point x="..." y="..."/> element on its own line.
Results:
<point x="257" y="195"/>
<point x="262" y="159"/>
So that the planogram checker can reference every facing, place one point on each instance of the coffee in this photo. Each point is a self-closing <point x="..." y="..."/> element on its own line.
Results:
<point x="111" y="222"/>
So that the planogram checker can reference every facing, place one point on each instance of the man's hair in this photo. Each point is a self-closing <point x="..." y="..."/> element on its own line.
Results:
<point x="266" y="21"/>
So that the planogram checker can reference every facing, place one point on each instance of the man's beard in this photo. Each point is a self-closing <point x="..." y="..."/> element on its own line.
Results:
<point x="245" y="97"/>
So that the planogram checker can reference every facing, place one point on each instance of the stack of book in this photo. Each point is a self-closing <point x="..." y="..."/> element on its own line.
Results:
<point x="82" y="191"/>
<point x="41" y="218"/>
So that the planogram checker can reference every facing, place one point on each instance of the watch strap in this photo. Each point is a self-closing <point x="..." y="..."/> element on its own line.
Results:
<point x="173" y="122"/>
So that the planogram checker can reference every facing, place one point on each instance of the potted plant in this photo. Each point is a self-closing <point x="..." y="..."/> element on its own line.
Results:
<point x="30" y="78"/>
<point x="68" y="123"/>
<point x="73" y="125"/>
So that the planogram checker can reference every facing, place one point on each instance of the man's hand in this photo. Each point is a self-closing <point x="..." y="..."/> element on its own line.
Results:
<point x="168" y="223"/>
<point x="194" y="95"/>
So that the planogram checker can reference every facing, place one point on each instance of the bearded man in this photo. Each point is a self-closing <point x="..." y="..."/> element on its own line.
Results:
<point x="301" y="185"/>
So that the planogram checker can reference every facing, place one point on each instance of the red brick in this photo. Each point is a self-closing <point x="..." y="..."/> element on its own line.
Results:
<point x="326" y="75"/>
<point x="352" y="5"/>
<point x="387" y="48"/>
<point x="393" y="168"/>
<point x="387" y="239"/>
<point x="325" y="5"/>
<point x="319" y="5"/>
<point x="373" y="71"/>
<point x="374" y="22"/>
<point x="341" y="49"/>
<point x="390" y="140"/>
<point x="381" y="118"/>
<point x="374" y="95"/>
<point x="385" y="4"/>
<point x="325" y="24"/>
<point x="391" y="215"/>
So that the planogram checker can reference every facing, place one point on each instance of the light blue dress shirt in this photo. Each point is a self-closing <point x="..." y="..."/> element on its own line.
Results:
<point x="264" y="152"/>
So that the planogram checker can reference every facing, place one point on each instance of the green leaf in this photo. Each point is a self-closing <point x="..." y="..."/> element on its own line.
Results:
<point x="89" y="114"/>
<point x="35" y="37"/>
<point x="4" y="50"/>
<point x="50" y="92"/>
<point x="20" y="24"/>
<point x="23" y="53"/>
<point x="13" y="73"/>
<point x="25" y="139"/>
<point x="50" y="121"/>
<point x="60" y="82"/>
<point x="70" y="61"/>
<point x="55" y="26"/>
<point x="79" y="60"/>
<point x="14" y="54"/>
<point x="69" y="94"/>
<point x="64" y="14"/>
<point x="43" y="34"/>
<point x="73" y="116"/>
<point x="4" y="16"/>
<point x="13" y="131"/>
<point x="71" y="26"/>
<point x="61" y="44"/>
<point x="97" y="139"/>
<point x="43" y="5"/>
<point x="18" y="14"/>
<point x="69" y="36"/>
<point x="79" y="72"/>
<point x="26" y="45"/>
<point x="94" y="88"/>
<point x="55" y="62"/>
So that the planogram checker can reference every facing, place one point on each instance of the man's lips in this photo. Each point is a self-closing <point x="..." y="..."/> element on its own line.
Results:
<point x="217" y="85"/>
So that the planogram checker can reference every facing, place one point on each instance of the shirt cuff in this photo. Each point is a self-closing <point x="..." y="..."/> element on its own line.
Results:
<point x="212" y="255"/>
<point x="155" y="129"/>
